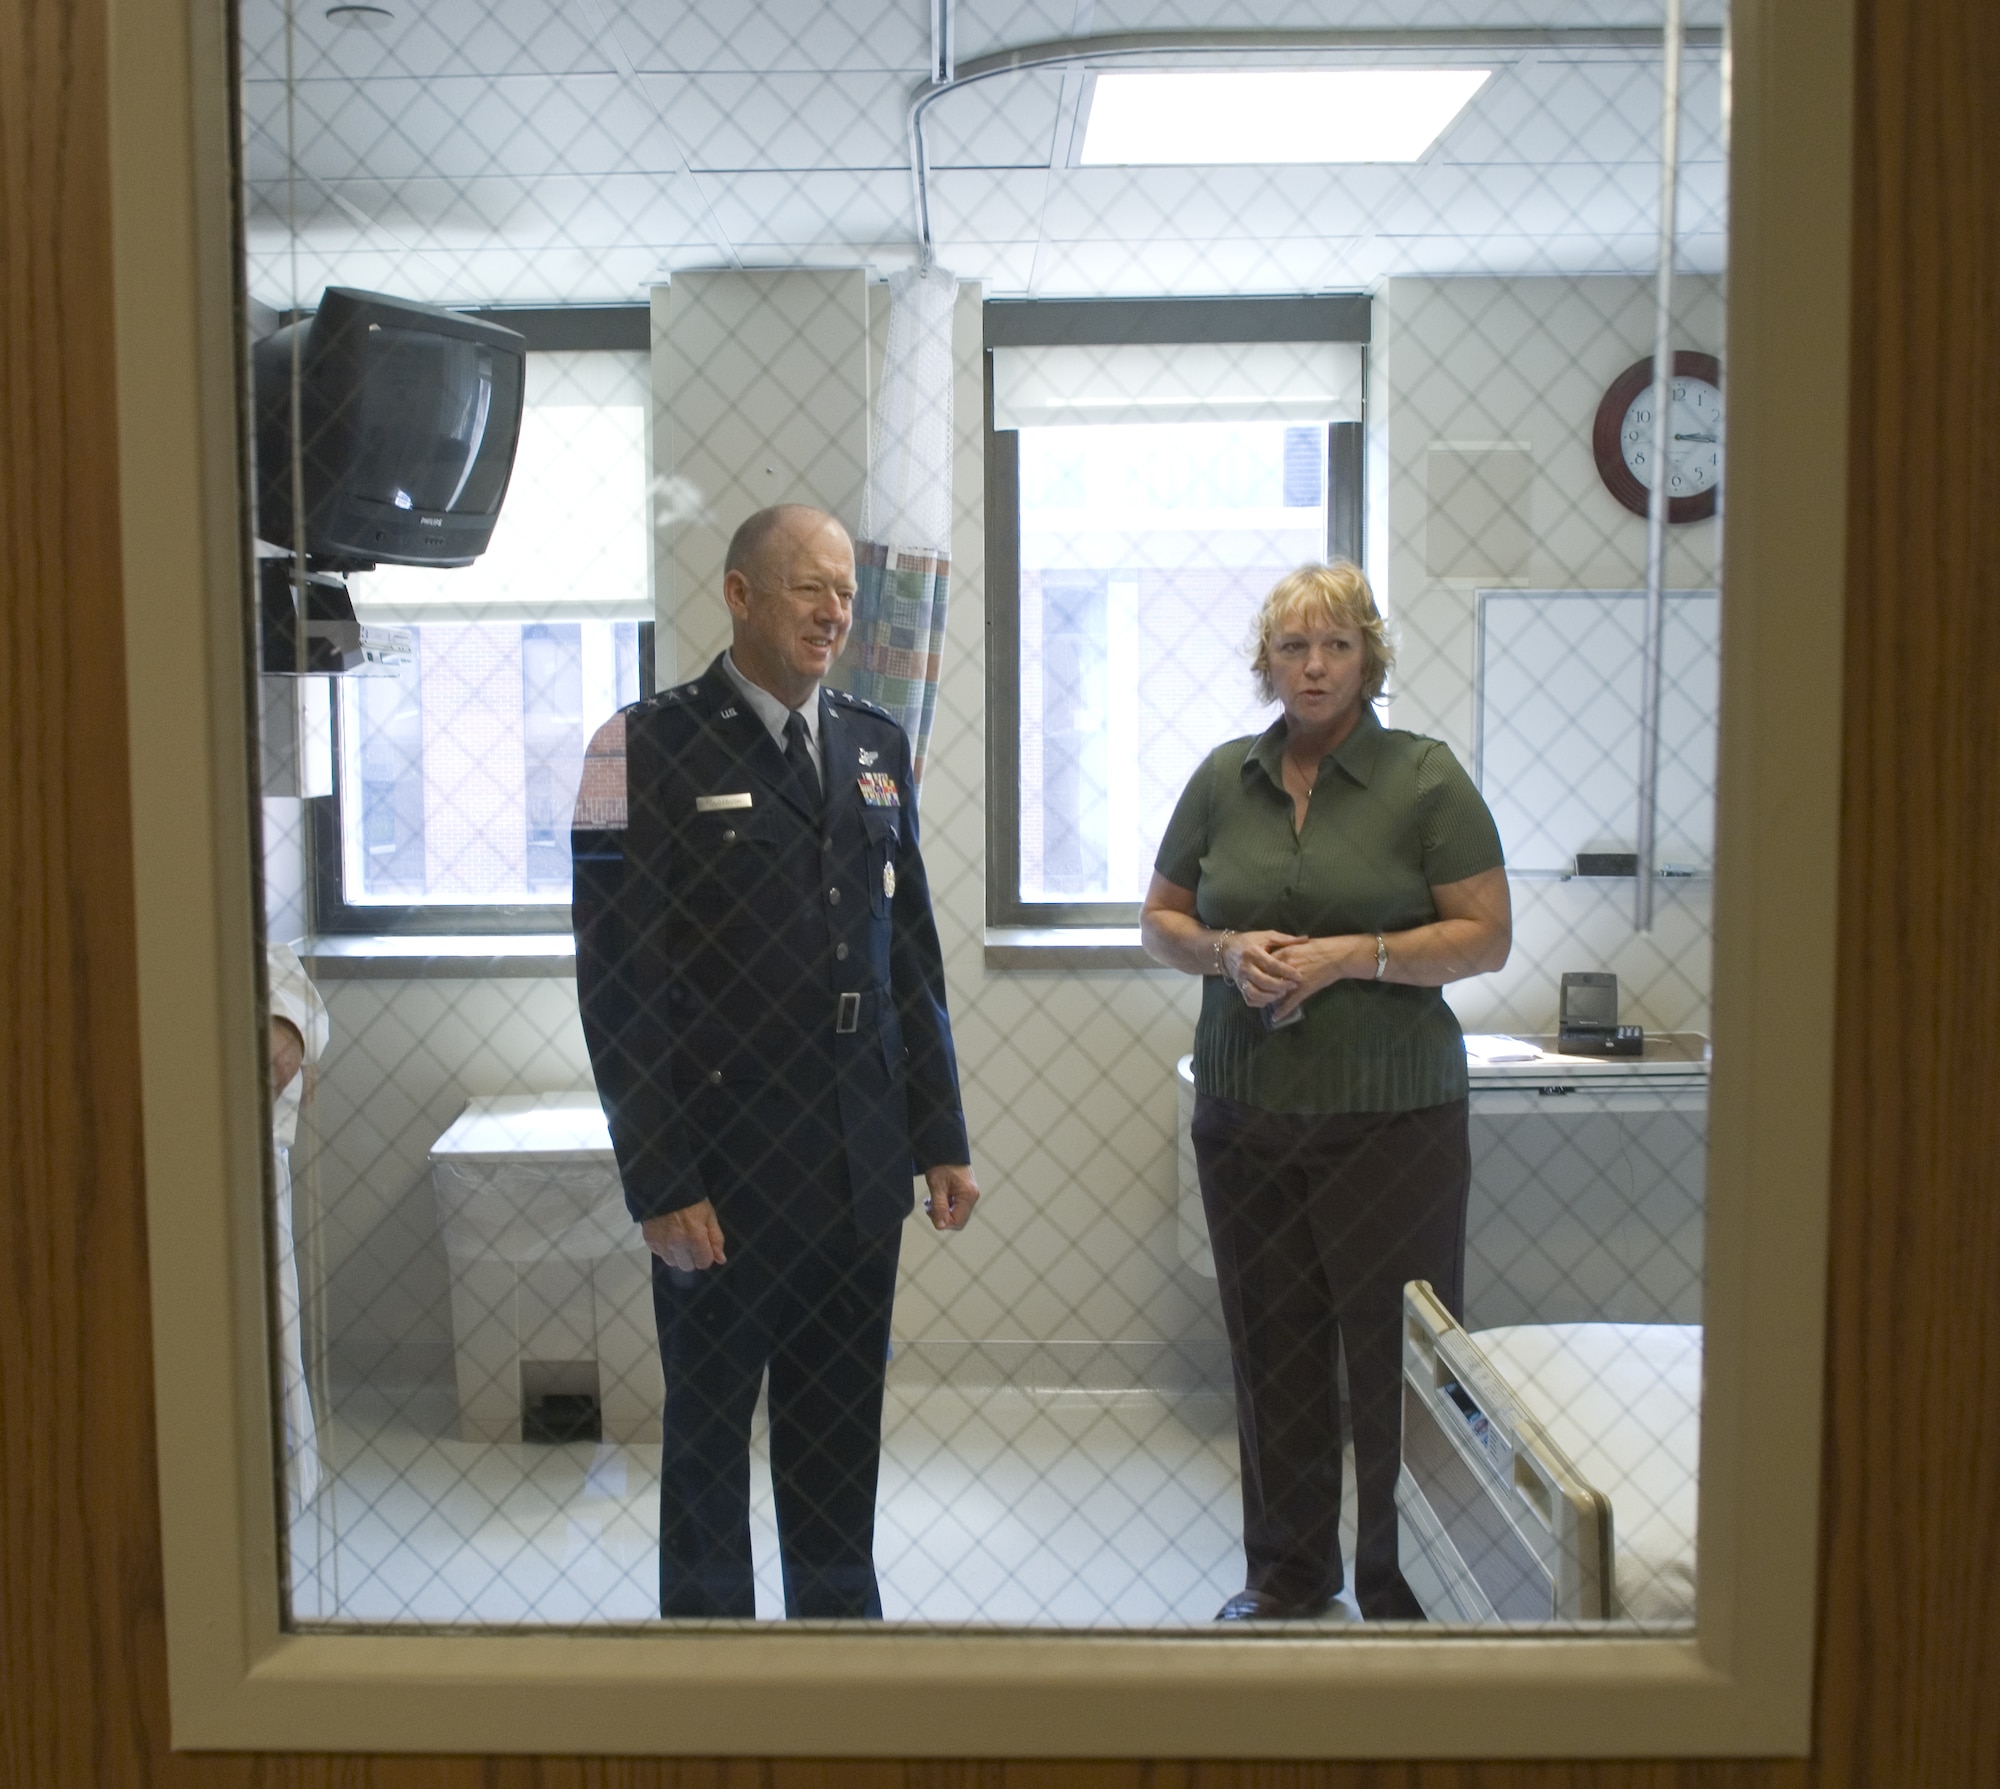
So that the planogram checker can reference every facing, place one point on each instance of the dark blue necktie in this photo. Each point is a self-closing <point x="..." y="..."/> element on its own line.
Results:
<point x="798" y="754"/>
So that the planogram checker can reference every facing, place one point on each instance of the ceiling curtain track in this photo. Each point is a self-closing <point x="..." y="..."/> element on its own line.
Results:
<point x="1167" y="47"/>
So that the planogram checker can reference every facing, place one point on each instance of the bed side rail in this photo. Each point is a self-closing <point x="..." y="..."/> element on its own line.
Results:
<point x="1498" y="1524"/>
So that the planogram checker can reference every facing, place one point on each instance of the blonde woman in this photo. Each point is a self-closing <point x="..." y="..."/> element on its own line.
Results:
<point x="1327" y="877"/>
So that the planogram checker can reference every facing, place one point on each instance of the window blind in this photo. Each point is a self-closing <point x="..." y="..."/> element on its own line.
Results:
<point x="1041" y="387"/>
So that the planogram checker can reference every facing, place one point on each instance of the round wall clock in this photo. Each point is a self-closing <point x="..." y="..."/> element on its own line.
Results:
<point x="1622" y="438"/>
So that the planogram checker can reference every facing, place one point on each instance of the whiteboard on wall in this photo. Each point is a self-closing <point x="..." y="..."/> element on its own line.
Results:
<point x="1557" y="727"/>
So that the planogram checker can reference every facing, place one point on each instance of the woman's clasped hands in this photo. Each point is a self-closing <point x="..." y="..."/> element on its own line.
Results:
<point x="1283" y="970"/>
<point x="1252" y="961"/>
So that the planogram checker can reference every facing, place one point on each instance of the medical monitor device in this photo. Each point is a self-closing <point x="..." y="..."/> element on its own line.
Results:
<point x="405" y="419"/>
<point x="1587" y="1022"/>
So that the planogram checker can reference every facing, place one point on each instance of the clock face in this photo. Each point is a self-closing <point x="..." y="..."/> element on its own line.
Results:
<point x="1694" y="438"/>
<point x="1621" y="438"/>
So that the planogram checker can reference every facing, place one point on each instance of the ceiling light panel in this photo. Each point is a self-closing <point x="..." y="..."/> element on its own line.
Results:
<point x="1208" y="117"/>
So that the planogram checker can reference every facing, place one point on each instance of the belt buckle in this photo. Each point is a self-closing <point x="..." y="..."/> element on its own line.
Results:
<point x="848" y="1019"/>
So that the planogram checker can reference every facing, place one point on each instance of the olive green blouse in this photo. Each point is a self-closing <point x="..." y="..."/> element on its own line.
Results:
<point x="1392" y="815"/>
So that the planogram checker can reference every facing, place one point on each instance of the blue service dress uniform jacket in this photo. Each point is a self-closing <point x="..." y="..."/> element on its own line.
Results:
<point x="753" y="969"/>
<point x="763" y="999"/>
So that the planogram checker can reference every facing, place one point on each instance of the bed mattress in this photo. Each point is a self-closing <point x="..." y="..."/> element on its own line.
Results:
<point x="1623" y="1401"/>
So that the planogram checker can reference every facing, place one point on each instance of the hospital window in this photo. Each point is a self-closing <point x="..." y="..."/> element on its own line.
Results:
<point x="1145" y="498"/>
<point x="455" y="772"/>
<point x="457" y="776"/>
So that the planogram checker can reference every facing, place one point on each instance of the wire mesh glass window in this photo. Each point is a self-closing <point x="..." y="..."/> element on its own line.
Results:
<point x="1394" y="1314"/>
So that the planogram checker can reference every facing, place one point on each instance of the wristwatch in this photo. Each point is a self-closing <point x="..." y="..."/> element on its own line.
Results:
<point x="1381" y="956"/>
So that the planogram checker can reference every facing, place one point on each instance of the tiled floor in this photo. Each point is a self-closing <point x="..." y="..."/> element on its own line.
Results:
<point x="1000" y="1505"/>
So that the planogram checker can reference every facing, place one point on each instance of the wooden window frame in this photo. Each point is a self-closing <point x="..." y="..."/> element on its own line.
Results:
<point x="1741" y="1686"/>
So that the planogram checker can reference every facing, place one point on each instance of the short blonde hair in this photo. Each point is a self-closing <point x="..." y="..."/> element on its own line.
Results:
<point x="1335" y="595"/>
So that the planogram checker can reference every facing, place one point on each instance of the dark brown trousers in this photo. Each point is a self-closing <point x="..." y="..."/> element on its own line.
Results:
<point x="1317" y="1221"/>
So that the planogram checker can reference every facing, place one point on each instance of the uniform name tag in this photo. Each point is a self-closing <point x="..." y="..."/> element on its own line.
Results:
<point x="716" y="804"/>
<point x="879" y="790"/>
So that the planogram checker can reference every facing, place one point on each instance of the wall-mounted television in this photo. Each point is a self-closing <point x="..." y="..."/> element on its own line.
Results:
<point x="405" y="418"/>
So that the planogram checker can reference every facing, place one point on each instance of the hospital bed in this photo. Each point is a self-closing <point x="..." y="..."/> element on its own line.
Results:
<point x="1549" y="1470"/>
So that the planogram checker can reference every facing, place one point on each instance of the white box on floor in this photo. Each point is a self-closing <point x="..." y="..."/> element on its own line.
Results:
<point x="550" y="1286"/>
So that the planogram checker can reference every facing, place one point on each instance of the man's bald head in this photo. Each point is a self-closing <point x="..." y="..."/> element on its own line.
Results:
<point x="789" y="587"/>
<point x="749" y="546"/>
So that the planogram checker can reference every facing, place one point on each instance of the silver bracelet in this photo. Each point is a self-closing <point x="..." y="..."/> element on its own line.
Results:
<point x="1381" y="956"/>
<point x="1221" y="938"/>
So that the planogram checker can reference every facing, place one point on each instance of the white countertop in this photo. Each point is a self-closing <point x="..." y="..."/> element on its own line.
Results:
<point x="1669" y="1055"/>
<point x="529" y="1127"/>
<point x="1680" y="1056"/>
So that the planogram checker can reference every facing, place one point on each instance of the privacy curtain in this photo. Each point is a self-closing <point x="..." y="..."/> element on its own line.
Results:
<point x="903" y="558"/>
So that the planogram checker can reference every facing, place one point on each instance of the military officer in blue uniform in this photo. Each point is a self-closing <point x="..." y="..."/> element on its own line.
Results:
<point x="763" y="999"/>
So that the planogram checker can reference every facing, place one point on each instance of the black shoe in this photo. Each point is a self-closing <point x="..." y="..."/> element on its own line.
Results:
<point x="1261" y="1605"/>
<point x="1394" y="1601"/>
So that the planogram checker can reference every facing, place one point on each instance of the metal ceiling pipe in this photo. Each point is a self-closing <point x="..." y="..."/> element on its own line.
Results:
<point x="944" y="50"/>
<point x="1659" y="496"/>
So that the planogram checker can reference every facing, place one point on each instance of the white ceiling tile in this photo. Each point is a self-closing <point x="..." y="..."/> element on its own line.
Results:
<point x="1222" y="265"/>
<point x="490" y="275"/>
<point x="1545" y="110"/>
<point x="816" y="210"/>
<point x="1505" y="254"/>
<point x="878" y="258"/>
<point x="987" y="204"/>
<point x="1409" y="15"/>
<point x="982" y="26"/>
<point x="1006" y="122"/>
<point x="1006" y="268"/>
<point x="477" y="37"/>
<point x="608" y="211"/>
<point x="1702" y="208"/>
<point x="759" y="36"/>
<point x="455" y="126"/>
<point x="844" y="119"/>
<point x="1135" y="204"/>
<point x="431" y="141"/>
<point x="1702" y="97"/>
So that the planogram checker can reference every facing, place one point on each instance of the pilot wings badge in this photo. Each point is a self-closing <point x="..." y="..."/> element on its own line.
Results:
<point x="868" y="758"/>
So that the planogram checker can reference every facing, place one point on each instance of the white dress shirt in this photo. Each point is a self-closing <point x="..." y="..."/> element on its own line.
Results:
<point x="774" y="714"/>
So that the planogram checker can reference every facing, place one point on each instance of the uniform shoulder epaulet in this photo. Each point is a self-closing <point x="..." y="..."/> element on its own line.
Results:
<point x="661" y="700"/>
<point x="666" y="701"/>
<point x="847" y="700"/>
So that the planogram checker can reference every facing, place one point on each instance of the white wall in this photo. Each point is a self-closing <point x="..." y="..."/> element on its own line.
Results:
<point x="1478" y="361"/>
<point x="760" y="391"/>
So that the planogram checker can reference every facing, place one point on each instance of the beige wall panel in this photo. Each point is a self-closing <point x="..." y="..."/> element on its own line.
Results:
<point x="760" y="391"/>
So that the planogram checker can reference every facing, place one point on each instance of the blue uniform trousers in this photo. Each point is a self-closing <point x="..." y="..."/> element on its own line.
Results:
<point x="807" y="1297"/>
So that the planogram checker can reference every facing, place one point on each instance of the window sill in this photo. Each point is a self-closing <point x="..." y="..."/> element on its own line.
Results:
<point x="1071" y="948"/>
<point x="464" y="957"/>
<point x="381" y="957"/>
